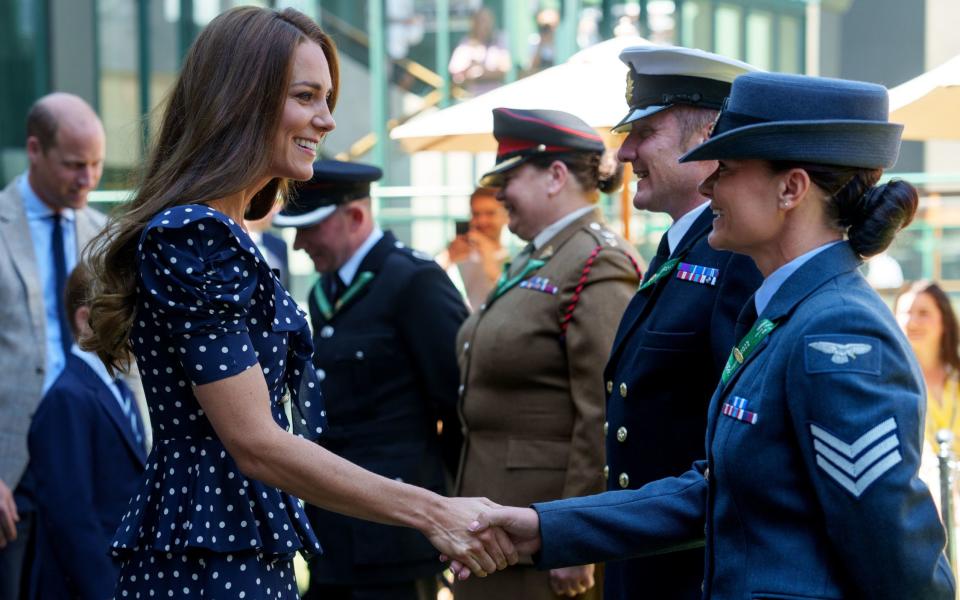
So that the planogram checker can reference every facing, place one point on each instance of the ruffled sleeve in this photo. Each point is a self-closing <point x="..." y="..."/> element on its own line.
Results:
<point x="203" y="283"/>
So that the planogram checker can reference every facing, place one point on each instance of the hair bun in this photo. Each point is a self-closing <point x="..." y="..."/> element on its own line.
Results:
<point x="878" y="214"/>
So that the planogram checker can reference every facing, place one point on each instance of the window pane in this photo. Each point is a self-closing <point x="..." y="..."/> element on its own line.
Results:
<point x="759" y="47"/>
<point x="791" y="47"/>
<point x="21" y="68"/>
<point x="696" y="25"/>
<point x="729" y="35"/>
<point x="119" y="91"/>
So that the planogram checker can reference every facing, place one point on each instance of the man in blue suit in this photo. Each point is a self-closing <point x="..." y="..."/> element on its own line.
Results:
<point x="87" y="453"/>
<point x="677" y="331"/>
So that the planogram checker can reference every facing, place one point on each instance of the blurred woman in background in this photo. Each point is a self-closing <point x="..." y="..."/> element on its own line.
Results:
<point x="927" y="318"/>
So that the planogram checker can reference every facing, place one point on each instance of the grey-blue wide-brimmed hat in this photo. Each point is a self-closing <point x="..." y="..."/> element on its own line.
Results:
<point x="775" y="116"/>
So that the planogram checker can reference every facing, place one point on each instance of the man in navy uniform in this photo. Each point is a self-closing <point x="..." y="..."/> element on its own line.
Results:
<point x="677" y="332"/>
<point x="385" y="320"/>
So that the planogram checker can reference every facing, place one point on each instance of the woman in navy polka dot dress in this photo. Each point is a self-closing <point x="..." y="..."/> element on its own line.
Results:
<point x="223" y="350"/>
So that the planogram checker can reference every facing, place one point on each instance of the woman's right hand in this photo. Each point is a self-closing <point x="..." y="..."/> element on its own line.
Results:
<point x="483" y="553"/>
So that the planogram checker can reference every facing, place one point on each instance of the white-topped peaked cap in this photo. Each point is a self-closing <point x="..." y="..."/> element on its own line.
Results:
<point x="663" y="76"/>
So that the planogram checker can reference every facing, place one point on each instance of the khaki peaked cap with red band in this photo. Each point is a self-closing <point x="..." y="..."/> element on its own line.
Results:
<point x="523" y="134"/>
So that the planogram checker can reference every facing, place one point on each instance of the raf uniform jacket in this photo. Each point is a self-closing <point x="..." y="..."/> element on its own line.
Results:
<point x="810" y="486"/>
<point x="532" y="391"/>
<point x="388" y="373"/>
<point x="22" y="327"/>
<point x="666" y="361"/>
<point x="87" y="465"/>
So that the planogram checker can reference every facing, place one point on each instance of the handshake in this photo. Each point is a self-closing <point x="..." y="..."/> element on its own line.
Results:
<point x="480" y="537"/>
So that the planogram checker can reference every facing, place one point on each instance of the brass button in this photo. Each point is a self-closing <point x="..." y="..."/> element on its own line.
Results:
<point x="606" y="472"/>
<point x="609" y="387"/>
<point x="606" y="427"/>
<point x="622" y="434"/>
<point x="623" y="390"/>
<point x="624" y="480"/>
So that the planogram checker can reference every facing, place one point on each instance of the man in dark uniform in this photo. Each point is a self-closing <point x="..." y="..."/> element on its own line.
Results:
<point x="385" y="319"/>
<point x="676" y="334"/>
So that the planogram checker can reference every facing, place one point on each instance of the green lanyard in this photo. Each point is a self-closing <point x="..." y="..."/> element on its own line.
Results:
<point x="504" y="284"/>
<point x="664" y="270"/>
<point x="323" y="303"/>
<point x="747" y="346"/>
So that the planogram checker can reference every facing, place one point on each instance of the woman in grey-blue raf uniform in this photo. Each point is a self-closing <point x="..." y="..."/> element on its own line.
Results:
<point x="810" y="486"/>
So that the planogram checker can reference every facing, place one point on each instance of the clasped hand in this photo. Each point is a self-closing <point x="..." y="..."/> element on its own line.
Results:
<point x="479" y="552"/>
<point x="513" y="531"/>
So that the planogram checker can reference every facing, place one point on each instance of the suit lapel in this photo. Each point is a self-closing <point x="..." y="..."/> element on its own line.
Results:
<point x="15" y="235"/>
<point x="87" y="229"/>
<point x="372" y="263"/>
<point x="108" y="402"/>
<point x="642" y="302"/>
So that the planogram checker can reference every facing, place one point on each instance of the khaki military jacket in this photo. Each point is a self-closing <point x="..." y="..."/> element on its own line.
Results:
<point x="532" y="396"/>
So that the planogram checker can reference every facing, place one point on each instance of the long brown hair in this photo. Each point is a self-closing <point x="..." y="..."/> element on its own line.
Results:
<point x="949" y="350"/>
<point x="215" y="140"/>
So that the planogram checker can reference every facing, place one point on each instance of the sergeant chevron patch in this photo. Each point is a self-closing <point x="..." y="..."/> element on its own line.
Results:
<point x="852" y="465"/>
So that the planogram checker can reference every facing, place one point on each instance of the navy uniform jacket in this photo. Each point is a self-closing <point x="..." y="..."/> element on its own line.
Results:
<point x="275" y="251"/>
<point x="389" y="372"/>
<point x="666" y="361"/>
<point x="86" y="465"/>
<point x="810" y="486"/>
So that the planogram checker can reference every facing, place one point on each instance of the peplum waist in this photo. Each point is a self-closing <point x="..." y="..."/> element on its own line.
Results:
<point x="193" y="496"/>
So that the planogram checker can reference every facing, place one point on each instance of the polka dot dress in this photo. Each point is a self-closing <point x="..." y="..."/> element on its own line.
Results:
<point x="208" y="307"/>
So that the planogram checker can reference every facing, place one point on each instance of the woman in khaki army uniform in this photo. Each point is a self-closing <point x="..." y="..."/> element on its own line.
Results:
<point x="531" y="357"/>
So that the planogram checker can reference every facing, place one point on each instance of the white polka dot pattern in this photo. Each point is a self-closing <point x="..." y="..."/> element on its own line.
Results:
<point x="208" y="307"/>
<point x="245" y="575"/>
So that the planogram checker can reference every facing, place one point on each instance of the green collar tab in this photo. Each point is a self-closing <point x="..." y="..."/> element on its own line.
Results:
<point x="504" y="284"/>
<point x="359" y="282"/>
<point x="664" y="270"/>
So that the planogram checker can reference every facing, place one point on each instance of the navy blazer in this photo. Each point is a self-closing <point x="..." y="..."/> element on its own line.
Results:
<point x="810" y="486"/>
<point x="388" y="371"/>
<point x="86" y="465"/>
<point x="667" y="357"/>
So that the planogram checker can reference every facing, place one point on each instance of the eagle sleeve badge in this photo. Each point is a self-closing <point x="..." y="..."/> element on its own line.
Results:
<point x="842" y="353"/>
